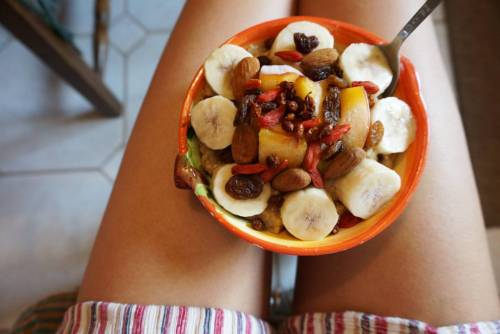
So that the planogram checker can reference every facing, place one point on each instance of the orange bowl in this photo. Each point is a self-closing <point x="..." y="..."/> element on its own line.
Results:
<point x="409" y="166"/>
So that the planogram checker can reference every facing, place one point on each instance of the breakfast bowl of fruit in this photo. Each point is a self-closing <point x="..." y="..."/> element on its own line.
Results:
<point x="286" y="140"/>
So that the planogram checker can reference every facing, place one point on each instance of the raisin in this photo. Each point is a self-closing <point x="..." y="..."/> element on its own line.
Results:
<point x="281" y="99"/>
<point x="305" y="44"/>
<point x="244" y="109"/>
<point x="273" y="161"/>
<point x="264" y="60"/>
<point x="308" y="108"/>
<point x="268" y="106"/>
<point x="268" y="43"/>
<point x="338" y="71"/>
<point x="257" y="224"/>
<point x="288" y="125"/>
<point x="375" y="134"/>
<point x="331" y="105"/>
<point x="318" y="73"/>
<point x="288" y="88"/>
<point x="312" y="134"/>
<point x="276" y="200"/>
<point x="253" y="91"/>
<point x="243" y="186"/>
<point x="290" y="116"/>
<point x="225" y="155"/>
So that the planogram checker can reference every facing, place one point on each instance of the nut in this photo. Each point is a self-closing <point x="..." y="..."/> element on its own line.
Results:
<point x="245" y="145"/>
<point x="319" y="59"/>
<point x="246" y="69"/>
<point x="375" y="134"/>
<point x="344" y="162"/>
<point x="291" y="179"/>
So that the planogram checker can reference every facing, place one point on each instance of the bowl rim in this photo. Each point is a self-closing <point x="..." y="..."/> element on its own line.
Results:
<point x="391" y="216"/>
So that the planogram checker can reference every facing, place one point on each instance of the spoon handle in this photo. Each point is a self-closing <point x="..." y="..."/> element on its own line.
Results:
<point x="416" y="19"/>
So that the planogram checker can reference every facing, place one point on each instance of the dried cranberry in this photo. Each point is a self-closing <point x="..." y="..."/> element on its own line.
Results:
<point x="305" y="44"/>
<point x="288" y="125"/>
<point x="263" y="60"/>
<point x="331" y="105"/>
<point x="292" y="106"/>
<point x="244" y="186"/>
<point x="268" y="106"/>
<point x="289" y="89"/>
<point x="318" y="73"/>
<point x="257" y="224"/>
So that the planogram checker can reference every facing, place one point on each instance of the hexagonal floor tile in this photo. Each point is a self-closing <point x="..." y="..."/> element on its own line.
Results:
<point x="141" y="66"/>
<point x="112" y="166"/>
<point x="125" y="34"/>
<point x="156" y="14"/>
<point x="47" y="227"/>
<point x="78" y="15"/>
<point x="44" y="123"/>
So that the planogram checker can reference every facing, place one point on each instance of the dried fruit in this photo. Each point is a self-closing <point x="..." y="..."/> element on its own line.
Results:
<point x="252" y="84"/>
<point x="288" y="125"/>
<point x="245" y="144"/>
<point x="292" y="106"/>
<point x="318" y="73"/>
<point x="336" y="134"/>
<point x="269" y="96"/>
<point x="299" y="130"/>
<point x="347" y="220"/>
<point x="225" y="155"/>
<point x="268" y="43"/>
<point x="312" y="134"/>
<point x="319" y="58"/>
<point x="246" y="69"/>
<point x="316" y="179"/>
<point x="331" y="150"/>
<point x="264" y="60"/>
<point x="344" y="162"/>
<point x="268" y="106"/>
<point x="257" y="224"/>
<point x="304" y="43"/>
<point x="291" y="179"/>
<point x="270" y="173"/>
<point x="244" y="186"/>
<point x="288" y="88"/>
<point x="273" y="161"/>
<point x="271" y="118"/>
<point x="312" y="156"/>
<point x="331" y="105"/>
<point x="290" y="55"/>
<point x="369" y="86"/>
<point x="242" y="115"/>
<point x="375" y="134"/>
<point x="311" y="123"/>
<point x="387" y="160"/>
<point x="249" y="169"/>
<point x="337" y="81"/>
<point x="271" y="217"/>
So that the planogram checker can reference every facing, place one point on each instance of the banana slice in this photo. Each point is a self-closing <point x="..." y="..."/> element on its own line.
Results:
<point x="212" y="120"/>
<point x="309" y="214"/>
<point x="219" y="67"/>
<point x="399" y="125"/>
<point x="244" y="208"/>
<point x="367" y="188"/>
<point x="284" y="40"/>
<point x="278" y="70"/>
<point x="365" y="62"/>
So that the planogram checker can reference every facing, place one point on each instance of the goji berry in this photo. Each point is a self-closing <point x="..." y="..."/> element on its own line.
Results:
<point x="347" y="220"/>
<point x="271" y="118"/>
<point x="252" y="84"/>
<point x="268" y="96"/>
<point x="369" y="86"/>
<point x="336" y="134"/>
<point x="311" y="123"/>
<point x="268" y="175"/>
<point x="290" y="55"/>
<point x="312" y="156"/>
<point x="249" y="169"/>
<point x="316" y="179"/>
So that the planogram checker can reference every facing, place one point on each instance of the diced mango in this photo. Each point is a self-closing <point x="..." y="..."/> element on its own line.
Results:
<point x="270" y="81"/>
<point x="317" y="89"/>
<point x="355" y="110"/>
<point x="283" y="145"/>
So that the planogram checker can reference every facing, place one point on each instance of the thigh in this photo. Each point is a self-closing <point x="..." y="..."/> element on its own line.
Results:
<point x="156" y="244"/>
<point x="433" y="264"/>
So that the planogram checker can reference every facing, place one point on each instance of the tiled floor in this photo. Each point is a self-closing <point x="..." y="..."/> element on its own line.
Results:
<point x="59" y="158"/>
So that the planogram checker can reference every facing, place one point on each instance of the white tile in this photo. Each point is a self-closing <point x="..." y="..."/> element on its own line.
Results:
<point x="125" y="34"/>
<point x="5" y="37"/>
<point x="444" y="47"/>
<point x="140" y="67"/>
<point x="44" y="123"/>
<point x="47" y="227"/>
<point x="156" y="14"/>
<point x="439" y="13"/>
<point x="112" y="166"/>
<point x="494" y="243"/>
<point x="117" y="9"/>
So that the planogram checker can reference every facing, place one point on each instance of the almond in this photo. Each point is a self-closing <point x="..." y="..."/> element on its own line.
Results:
<point x="319" y="58"/>
<point x="291" y="179"/>
<point x="344" y="162"/>
<point x="245" y="145"/>
<point x="246" y="69"/>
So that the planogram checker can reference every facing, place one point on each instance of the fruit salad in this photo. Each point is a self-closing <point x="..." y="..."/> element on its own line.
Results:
<point x="291" y="134"/>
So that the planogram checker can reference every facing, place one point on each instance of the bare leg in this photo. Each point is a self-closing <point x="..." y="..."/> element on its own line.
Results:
<point x="433" y="265"/>
<point x="156" y="244"/>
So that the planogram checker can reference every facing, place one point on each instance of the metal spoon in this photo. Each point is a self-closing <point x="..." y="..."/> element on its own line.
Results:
<point x="391" y="51"/>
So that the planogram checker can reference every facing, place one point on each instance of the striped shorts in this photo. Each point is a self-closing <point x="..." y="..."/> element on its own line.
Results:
<point x="53" y="315"/>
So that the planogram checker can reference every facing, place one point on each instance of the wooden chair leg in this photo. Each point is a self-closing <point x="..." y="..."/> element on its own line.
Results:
<point x="59" y="56"/>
